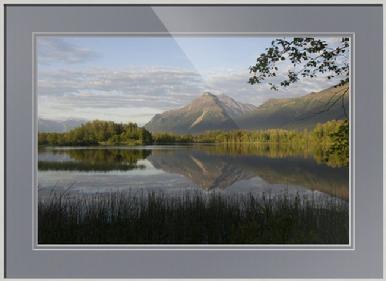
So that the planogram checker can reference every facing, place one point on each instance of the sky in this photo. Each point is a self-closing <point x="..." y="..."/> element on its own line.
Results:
<point x="132" y="78"/>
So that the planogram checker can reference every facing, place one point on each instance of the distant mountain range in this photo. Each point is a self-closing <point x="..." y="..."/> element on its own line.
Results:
<point x="211" y="112"/>
<point x="46" y="125"/>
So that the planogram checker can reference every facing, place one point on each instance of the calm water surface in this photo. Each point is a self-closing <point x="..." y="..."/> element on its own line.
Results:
<point x="176" y="168"/>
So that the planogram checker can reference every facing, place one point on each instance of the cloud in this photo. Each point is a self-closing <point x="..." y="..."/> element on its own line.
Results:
<point x="158" y="83"/>
<point x="333" y="41"/>
<point x="55" y="108"/>
<point x="125" y="95"/>
<point x="137" y="94"/>
<point x="57" y="50"/>
<point x="234" y="84"/>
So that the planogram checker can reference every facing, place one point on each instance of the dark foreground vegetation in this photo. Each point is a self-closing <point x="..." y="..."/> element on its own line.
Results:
<point x="190" y="218"/>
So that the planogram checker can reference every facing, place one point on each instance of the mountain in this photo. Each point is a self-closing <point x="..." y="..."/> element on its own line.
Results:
<point x="299" y="113"/>
<point x="207" y="112"/>
<point x="210" y="112"/>
<point x="46" y="125"/>
<point x="233" y="108"/>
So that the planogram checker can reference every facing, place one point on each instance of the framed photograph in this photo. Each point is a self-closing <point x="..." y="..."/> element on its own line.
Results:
<point x="193" y="141"/>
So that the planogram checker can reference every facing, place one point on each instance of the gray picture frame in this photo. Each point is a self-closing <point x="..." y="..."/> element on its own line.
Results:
<point x="361" y="259"/>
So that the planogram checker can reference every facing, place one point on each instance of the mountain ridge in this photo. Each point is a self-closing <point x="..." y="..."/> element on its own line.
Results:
<point x="220" y="112"/>
<point x="211" y="112"/>
<point x="206" y="112"/>
<point x="49" y="126"/>
<point x="300" y="112"/>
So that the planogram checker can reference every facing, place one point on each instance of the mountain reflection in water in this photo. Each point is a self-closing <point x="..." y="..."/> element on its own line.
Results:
<point x="210" y="167"/>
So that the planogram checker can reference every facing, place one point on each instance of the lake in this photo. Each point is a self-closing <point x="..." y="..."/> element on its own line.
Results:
<point x="190" y="194"/>
<point x="178" y="168"/>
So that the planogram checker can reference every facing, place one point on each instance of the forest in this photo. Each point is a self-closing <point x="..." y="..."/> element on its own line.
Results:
<point x="329" y="140"/>
<point x="98" y="133"/>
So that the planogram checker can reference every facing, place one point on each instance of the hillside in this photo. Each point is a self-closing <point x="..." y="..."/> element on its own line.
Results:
<point x="299" y="113"/>
<point x="207" y="112"/>
<point x="210" y="112"/>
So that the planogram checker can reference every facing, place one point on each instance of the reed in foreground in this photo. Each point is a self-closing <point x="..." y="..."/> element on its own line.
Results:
<point x="190" y="218"/>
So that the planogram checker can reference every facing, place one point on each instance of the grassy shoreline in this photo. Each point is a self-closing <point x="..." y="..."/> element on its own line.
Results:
<point x="192" y="218"/>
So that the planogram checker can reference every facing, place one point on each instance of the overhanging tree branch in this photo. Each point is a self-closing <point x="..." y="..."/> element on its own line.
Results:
<point x="313" y="55"/>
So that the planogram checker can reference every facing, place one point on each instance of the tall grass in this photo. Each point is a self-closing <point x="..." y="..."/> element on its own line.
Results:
<point x="190" y="218"/>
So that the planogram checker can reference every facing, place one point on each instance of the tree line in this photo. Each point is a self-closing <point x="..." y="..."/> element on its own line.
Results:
<point x="329" y="140"/>
<point x="99" y="133"/>
<point x="326" y="134"/>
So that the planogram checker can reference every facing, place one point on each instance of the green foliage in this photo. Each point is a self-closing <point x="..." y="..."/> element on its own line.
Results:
<point x="328" y="142"/>
<point x="245" y="136"/>
<point x="99" y="132"/>
<point x="314" y="57"/>
<point x="339" y="150"/>
<point x="168" y="138"/>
